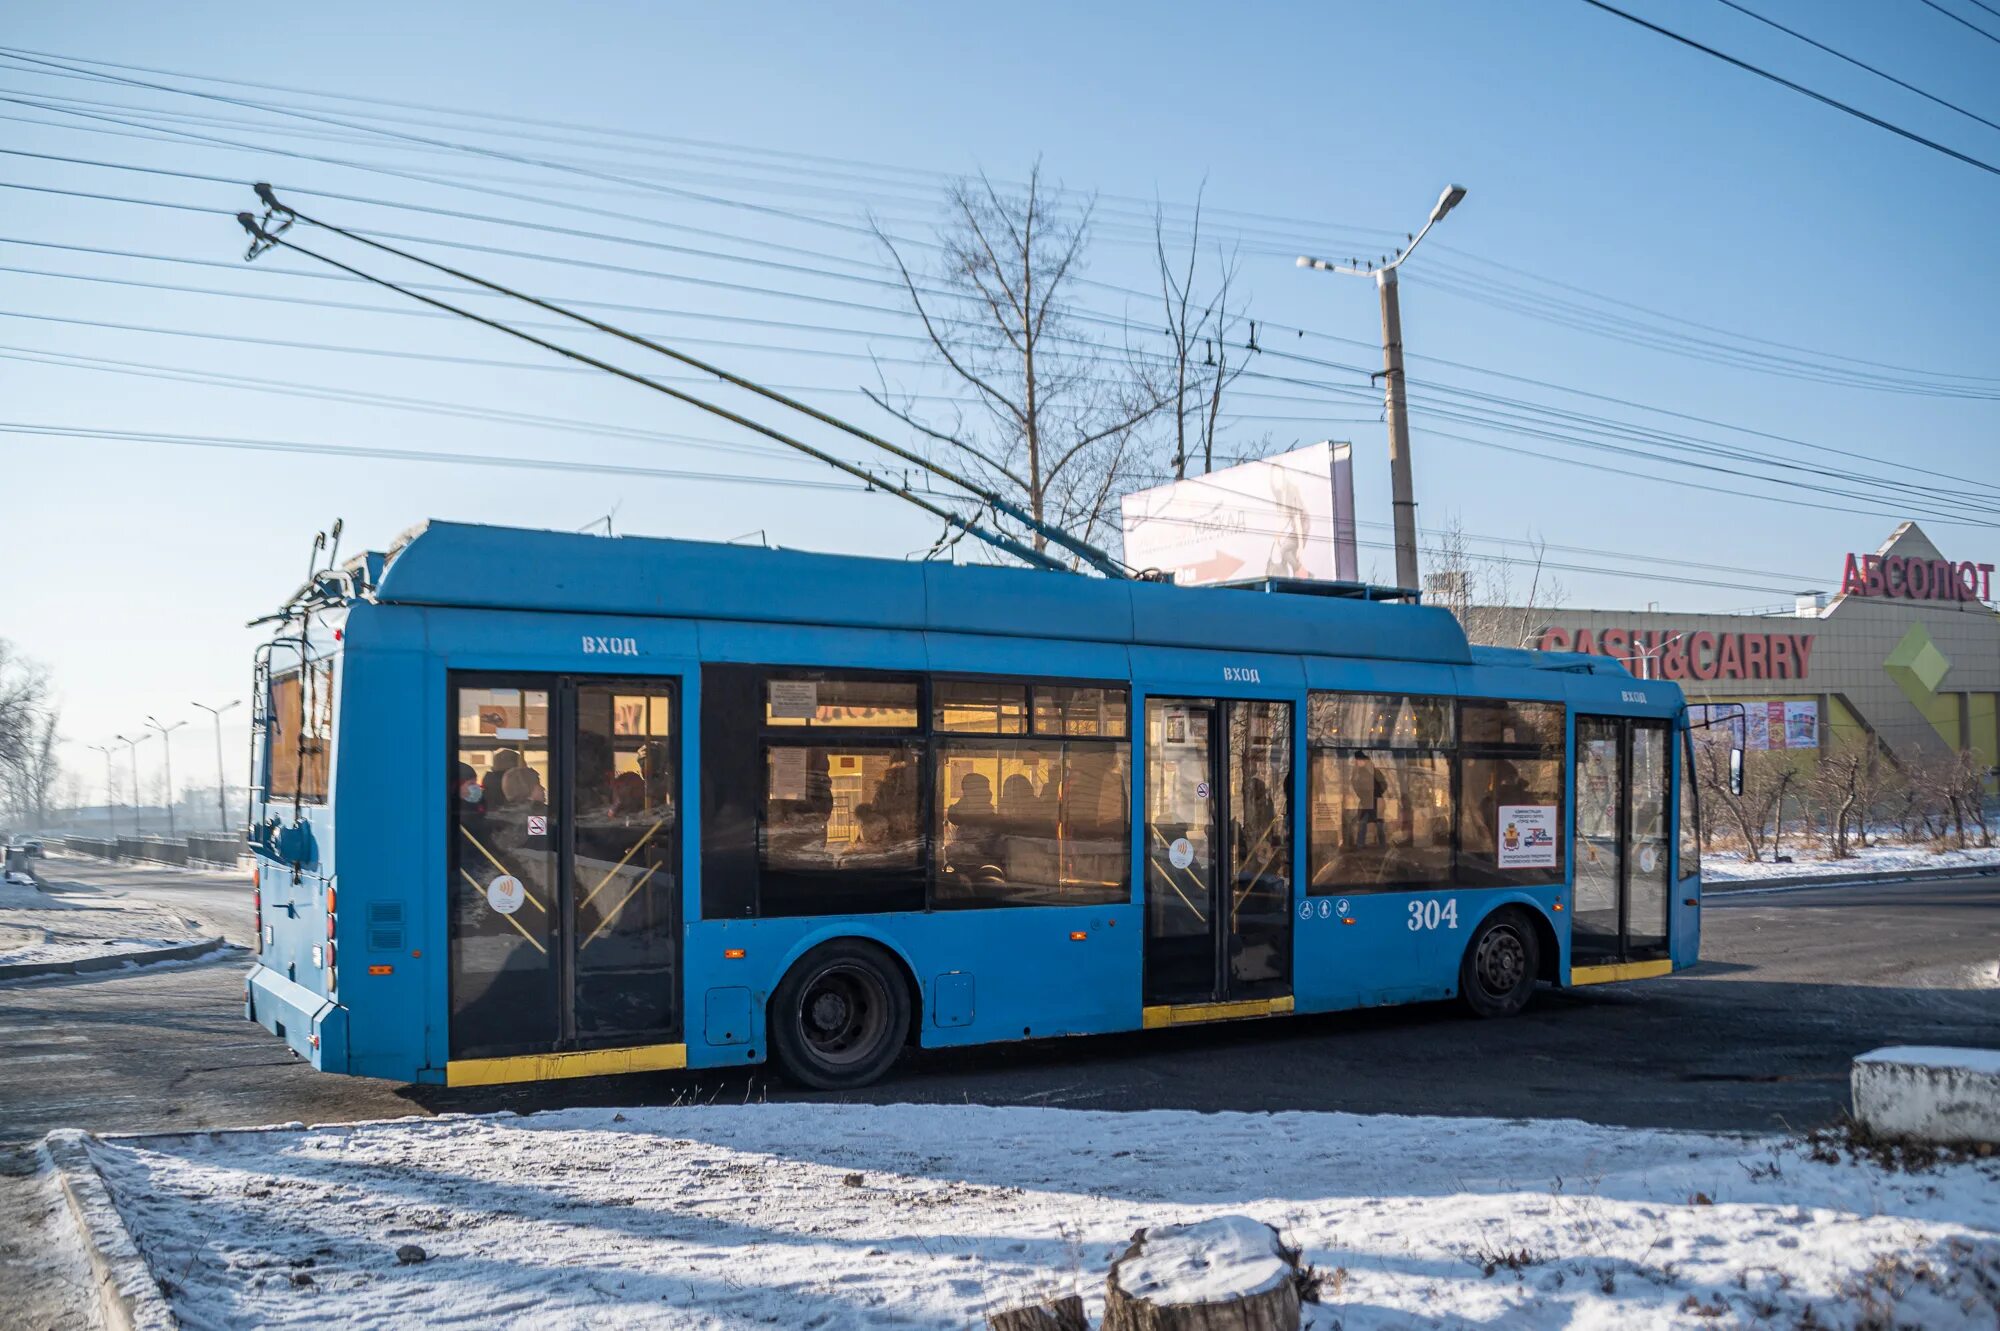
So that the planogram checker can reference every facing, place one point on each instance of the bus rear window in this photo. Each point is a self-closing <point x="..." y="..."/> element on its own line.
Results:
<point x="299" y="744"/>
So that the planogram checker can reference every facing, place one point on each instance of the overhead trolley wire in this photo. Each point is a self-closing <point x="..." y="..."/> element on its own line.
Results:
<point x="1027" y="554"/>
<point x="1097" y="558"/>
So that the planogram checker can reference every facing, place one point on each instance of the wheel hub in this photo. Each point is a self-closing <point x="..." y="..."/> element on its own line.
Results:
<point x="1502" y="961"/>
<point x="828" y="1012"/>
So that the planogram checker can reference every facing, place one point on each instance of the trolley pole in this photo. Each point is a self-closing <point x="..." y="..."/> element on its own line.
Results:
<point x="167" y="743"/>
<point x="221" y="785"/>
<point x="1402" y="487"/>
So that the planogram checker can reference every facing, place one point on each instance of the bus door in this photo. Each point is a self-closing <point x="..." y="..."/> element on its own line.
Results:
<point x="564" y="861"/>
<point x="1218" y="832"/>
<point x="1622" y="896"/>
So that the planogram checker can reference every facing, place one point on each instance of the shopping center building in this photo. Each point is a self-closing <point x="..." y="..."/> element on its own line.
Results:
<point x="1906" y="653"/>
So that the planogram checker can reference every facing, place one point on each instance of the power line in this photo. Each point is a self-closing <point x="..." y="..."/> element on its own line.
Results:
<point x="1859" y="64"/>
<point x="1955" y="18"/>
<point x="1800" y="88"/>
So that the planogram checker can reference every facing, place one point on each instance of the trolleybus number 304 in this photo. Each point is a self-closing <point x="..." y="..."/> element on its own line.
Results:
<point x="1432" y="912"/>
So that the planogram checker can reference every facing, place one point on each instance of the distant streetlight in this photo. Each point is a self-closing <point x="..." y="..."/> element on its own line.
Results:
<point x="110" y="795"/>
<point x="167" y="743"/>
<point x="221" y="809"/>
<point x="1401" y="487"/>
<point x="138" y="825"/>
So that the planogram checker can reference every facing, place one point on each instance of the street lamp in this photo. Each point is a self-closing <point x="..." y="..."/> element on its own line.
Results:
<point x="221" y="810"/>
<point x="110" y="796"/>
<point x="167" y="743"/>
<point x="1401" y="488"/>
<point x="133" y="745"/>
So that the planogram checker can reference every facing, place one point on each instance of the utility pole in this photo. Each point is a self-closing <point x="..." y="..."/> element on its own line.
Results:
<point x="1402" y="488"/>
<point x="110" y="796"/>
<point x="133" y="746"/>
<point x="167" y="743"/>
<point x="221" y="809"/>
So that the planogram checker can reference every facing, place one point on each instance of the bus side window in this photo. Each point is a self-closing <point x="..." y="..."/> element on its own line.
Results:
<point x="1380" y="786"/>
<point x="1510" y="793"/>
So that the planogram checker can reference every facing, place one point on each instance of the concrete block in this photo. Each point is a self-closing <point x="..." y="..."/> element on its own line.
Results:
<point x="1929" y="1093"/>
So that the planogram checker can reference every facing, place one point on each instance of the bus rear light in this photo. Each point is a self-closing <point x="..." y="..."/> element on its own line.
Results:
<point x="329" y="954"/>
<point x="329" y="901"/>
<point x="732" y="954"/>
<point x="1078" y="935"/>
<point x="329" y="926"/>
<point x="313" y="1039"/>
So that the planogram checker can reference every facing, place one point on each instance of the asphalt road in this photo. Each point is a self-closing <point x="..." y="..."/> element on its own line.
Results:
<point x="1757" y="1038"/>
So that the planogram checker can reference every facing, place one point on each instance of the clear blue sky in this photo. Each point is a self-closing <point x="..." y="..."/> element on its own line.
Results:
<point x="1596" y="154"/>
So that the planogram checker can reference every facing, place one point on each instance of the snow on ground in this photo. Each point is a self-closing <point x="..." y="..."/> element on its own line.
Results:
<point x="899" y="1216"/>
<point x="37" y="926"/>
<point x="1717" y="867"/>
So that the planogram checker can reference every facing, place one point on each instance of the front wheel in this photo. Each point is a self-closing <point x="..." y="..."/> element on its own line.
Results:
<point x="1497" y="977"/>
<point x="840" y="1017"/>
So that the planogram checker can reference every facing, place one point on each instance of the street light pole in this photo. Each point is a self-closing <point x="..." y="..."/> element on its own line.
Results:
<point x="221" y="808"/>
<point x="138" y="828"/>
<point x="167" y="743"/>
<point x="110" y="796"/>
<point x="1401" y="486"/>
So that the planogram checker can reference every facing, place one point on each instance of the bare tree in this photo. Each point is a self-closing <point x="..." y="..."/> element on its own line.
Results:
<point x="1193" y="389"/>
<point x="1842" y="785"/>
<point x="1053" y="416"/>
<point x="28" y="762"/>
<point x="1765" y="784"/>
<point x="1500" y="601"/>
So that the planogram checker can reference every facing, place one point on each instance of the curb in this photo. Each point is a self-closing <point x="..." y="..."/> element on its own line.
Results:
<point x="127" y="1295"/>
<point x="1852" y="879"/>
<point x="116" y="961"/>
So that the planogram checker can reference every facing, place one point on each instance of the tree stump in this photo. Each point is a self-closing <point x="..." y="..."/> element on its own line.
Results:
<point x="1226" y="1274"/>
<point x="1058" y="1314"/>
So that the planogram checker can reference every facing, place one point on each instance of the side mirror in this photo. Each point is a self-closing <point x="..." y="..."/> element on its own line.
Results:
<point x="1736" y="771"/>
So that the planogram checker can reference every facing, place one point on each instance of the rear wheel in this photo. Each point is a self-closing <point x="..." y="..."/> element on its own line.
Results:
<point x="840" y="1017"/>
<point x="1497" y="977"/>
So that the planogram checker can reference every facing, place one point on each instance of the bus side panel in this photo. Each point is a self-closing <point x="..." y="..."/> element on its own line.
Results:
<point x="981" y="975"/>
<point x="1373" y="949"/>
<point x="390" y="926"/>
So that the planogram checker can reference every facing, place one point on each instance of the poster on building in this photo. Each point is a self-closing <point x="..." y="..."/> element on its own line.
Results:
<point x="1801" y="725"/>
<point x="1774" y="721"/>
<point x="1756" y="728"/>
<point x="1527" y="837"/>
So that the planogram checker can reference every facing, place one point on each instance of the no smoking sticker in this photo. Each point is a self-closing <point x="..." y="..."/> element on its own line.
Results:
<point x="537" y="825"/>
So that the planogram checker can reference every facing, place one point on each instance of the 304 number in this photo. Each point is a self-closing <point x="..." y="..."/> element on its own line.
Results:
<point x="1432" y="913"/>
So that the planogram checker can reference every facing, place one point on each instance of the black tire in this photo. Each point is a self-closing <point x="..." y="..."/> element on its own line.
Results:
<point x="1497" y="977"/>
<point x="840" y="1017"/>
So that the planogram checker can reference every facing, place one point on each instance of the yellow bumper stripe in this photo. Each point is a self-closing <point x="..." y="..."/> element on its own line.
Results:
<point x="1630" y="970"/>
<point x="549" y="1067"/>
<point x="1189" y="1014"/>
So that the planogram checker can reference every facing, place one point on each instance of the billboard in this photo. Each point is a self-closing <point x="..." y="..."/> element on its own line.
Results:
<point x="1290" y="516"/>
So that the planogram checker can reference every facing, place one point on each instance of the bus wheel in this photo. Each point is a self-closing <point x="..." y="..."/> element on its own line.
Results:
<point x="1497" y="977"/>
<point x="840" y="1017"/>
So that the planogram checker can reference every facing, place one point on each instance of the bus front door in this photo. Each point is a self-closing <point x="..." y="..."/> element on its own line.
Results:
<point x="1622" y="893"/>
<point x="1218" y="854"/>
<point x="565" y="882"/>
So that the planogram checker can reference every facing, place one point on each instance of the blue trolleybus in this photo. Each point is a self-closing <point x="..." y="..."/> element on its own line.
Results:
<point x="535" y="805"/>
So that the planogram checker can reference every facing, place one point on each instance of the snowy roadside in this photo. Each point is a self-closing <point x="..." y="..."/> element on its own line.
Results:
<point x="41" y="930"/>
<point x="905" y="1215"/>
<point x="1729" y="868"/>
